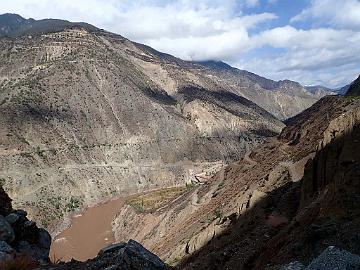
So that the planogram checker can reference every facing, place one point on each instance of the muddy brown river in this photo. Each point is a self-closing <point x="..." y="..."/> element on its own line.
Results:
<point x="89" y="232"/>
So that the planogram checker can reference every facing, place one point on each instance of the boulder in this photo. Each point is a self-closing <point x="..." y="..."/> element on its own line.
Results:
<point x="6" y="248"/>
<point x="44" y="241"/>
<point x="5" y="203"/>
<point x="135" y="257"/>
<point x="21" y="212"/>
<point x="33" y="251"/>
<point x="12" y="218"/>
<point x="293" y="266"/>
<point x="112" y="248"/>
<point x="335" y="259"/>
<point x="6" y="231"/>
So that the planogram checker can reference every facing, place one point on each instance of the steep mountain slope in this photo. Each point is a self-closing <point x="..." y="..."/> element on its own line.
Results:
<point x="273" y="96"/>
<point x="287" y="199"/>
<point x="342" y="91"/>
<point x="285" y="98"/>
<point x="80" y="121"/>
<point x="354" y="88"/>
<point x="320" y="89"/>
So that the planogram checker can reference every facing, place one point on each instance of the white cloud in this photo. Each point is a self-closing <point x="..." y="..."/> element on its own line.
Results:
<point x="317" y="56"/>
<point x="198" y="30"/>
<point x="220" y="39"/>
<point x="337" y="13"/>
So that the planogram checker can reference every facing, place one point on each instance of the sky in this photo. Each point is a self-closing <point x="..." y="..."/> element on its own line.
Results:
<point x="314" y="42"/>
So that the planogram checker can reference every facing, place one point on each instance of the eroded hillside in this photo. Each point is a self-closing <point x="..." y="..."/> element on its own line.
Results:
<point x="87" y="115"/>
<point x="81" y="122"/>
<point x="294" y="194"/>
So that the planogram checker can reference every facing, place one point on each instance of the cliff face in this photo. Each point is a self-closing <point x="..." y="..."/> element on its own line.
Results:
<point x="264" y="209"/>
<point x="328" y="209"/>
<point x="337" y="159"/>
<point x="20" y="237"/>
<point x="5" y="206"/>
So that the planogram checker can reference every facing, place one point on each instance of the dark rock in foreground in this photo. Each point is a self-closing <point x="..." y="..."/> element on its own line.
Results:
<point x="331" y="259"/>
<point x="19" y="236"/>
<point x="130" y="256"/>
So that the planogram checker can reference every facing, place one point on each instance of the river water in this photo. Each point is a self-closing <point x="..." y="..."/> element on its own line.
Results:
<point x="89" y="232"/>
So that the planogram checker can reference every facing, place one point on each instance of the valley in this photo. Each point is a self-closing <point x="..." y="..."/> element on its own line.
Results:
<point x="107" y="141"/>
<point x="104" y="125"/>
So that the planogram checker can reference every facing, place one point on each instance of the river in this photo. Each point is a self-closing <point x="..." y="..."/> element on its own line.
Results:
<point x="89" y="232"/>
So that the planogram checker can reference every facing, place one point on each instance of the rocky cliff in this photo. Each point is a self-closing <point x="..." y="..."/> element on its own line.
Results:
<point x="20" y="238"/>
<point x="271" y="207"/>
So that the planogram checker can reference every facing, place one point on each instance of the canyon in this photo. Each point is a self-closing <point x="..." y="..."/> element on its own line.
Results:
<point x="87" y="115"/>
<point x="104" y="140"/>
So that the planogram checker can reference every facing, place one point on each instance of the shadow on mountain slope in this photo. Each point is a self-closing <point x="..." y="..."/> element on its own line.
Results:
<point x="229" y="102"/>
<point x="296" y="221"/>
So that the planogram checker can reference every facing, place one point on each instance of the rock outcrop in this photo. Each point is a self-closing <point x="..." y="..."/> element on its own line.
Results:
<point x="20" y="236"/>
<point x="331" y="259"/>
<point x="123" y="256"/>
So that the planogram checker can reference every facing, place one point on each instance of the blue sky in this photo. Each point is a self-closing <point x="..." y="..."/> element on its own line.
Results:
<point x="310" y="41"/>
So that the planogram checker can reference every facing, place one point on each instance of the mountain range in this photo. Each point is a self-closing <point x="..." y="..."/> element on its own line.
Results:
<point x="82" y="108"/>
<point x="87" y="115"/>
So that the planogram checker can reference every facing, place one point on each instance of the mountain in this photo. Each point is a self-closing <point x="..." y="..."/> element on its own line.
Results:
<point x="240" y="82"/>
<point x="342" y="90"/>
<point x="86" y="115"/>
<point x="286" y="200"/>
<point x="13" y="25"/>
<point x="354" y="88"/>
<point x="216" y="180"/>
<point x="321" y="90"/>
<point x="283" y="99"/>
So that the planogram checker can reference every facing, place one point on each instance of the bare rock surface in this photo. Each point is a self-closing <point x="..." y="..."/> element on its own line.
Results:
<point x="20" y="236"/>
<point x="123" y="256"/>
<point x="335" y="259"/>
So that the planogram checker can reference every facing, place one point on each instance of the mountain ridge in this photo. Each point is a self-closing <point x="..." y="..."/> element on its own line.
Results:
<point x="55" y="25"/>
<point x="13" y="25"/>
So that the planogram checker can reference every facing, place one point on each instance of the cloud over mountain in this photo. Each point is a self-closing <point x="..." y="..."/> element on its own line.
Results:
<point x="317" y="42"/>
